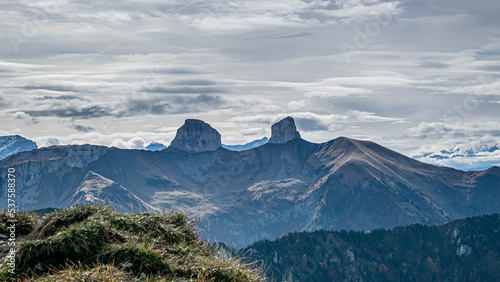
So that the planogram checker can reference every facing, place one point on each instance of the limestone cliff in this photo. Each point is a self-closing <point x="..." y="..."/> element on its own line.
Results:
<point x="196" y="136"/>
<point x="284" y="131"/>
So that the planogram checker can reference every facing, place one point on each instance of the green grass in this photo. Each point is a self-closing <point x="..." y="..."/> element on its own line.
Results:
<point x="24" y="221"/>
<point x="96" y="243"/>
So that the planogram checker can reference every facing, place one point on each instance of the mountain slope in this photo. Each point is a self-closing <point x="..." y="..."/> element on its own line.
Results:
<point x="463" y="250"/>
<point x="268" y="191"/>
<point x="11" y="145"/>
<point x="98" y="190"/>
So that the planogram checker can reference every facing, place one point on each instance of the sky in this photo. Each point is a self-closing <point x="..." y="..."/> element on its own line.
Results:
<point x="420" y="77"/>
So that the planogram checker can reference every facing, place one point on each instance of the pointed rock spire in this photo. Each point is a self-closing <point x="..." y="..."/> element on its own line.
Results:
<point x="196" y="136"/>
<point x="284" y="131"/>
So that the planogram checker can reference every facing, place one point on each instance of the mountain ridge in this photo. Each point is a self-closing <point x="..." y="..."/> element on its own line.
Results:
<point x="246" y="146"/>
<point x="268" y="191"/>
<point x="461" y="250"/>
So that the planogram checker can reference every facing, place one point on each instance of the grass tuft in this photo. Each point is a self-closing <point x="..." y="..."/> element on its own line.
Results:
<point x="96" y="243"/>
<point x="24" y="222"/>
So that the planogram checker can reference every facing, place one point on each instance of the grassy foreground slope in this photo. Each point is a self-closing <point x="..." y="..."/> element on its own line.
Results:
<point x="95" y="243"/>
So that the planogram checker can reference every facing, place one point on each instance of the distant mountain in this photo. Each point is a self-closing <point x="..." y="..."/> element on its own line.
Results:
<point x="465" y="157"/>
<point x="155" y="147"/>
<point x="247" y="146"/>
<point x="458" y="152"/>
<point x="11" y="145"/>
<point x="262" y="193"/>
<point x="463" y="250"/>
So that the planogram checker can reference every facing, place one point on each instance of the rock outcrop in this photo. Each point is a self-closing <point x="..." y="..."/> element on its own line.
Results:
<point x="98" y="190"/>
<point x="284" y="131"/>
<point x="196" y="136"/>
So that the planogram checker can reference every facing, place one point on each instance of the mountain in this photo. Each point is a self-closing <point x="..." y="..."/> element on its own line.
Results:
<point x="247" y="146"/>
<point x="463" y="250"/>
<point x="196" y="136"/>
<point x="95" y="189"/>
<point x="155" y="147"/>
<point x="475" y="156"/>
<point x="458" y="152"/>
<point x="284" y="131"/>
<point x="265" y="192"/>
<point x="11" y="145"/>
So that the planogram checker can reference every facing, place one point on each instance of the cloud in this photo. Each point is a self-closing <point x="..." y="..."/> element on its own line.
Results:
<point x="83" y="128"/>
<point x="57" y="88"/>
<point x="134" y="143"/>
<point x="305" y="121"/>
<point x="421" y="71"/>
<point x="194" y="82"/>
<point x="3" y="102"/>
<point x="310" y="124"/>
<point x="253" y="132"/>
<point x="184" y="90"/>
<point x="20" y="115"/>
<point x="177" y="70"/>
<point x="61" y="97"/>
<point x="441" y="130"/>
<point x="173" y="105"/>
<point x="72" y="112"/>
<point x="433" y="65"/>
<point x="372" y="117"/>
<point x="47" y="142"/>
<point x="283" y="36"/>
<point x="357" y="10"/>
<point x="14" y="129"/>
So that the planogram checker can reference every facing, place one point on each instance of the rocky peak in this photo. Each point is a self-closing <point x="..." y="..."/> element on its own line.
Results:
<point x="196" y="136"/>
<point x="284" y="131"/>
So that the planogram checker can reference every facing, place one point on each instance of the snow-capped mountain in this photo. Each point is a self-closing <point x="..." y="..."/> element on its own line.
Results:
<point x="10" y="145"/>
<point x="465" y="157"/>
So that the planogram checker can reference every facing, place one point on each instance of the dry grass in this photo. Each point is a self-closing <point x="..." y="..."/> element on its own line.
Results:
<point x="96" y="243"/>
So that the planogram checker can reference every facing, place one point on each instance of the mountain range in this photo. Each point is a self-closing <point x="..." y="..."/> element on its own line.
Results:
<point x="285" y="185"/>
<point x="465" y="156"/>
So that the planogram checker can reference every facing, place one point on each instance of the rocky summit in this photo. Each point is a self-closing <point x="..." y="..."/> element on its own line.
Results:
<point x="196" y="136"/>
<point x="284" y="131"/>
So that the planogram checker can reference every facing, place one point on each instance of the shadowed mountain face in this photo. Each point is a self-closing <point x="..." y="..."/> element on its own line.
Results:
<point x="265" y="192"/>
<point x="462" y="250"/>
<point x="196" y="136"/>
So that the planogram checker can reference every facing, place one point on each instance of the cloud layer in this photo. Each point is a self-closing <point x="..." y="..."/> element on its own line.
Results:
<point x="411" y="75"/>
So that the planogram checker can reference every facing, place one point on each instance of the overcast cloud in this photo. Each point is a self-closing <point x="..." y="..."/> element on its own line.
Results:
<point x="416" y="76"/>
